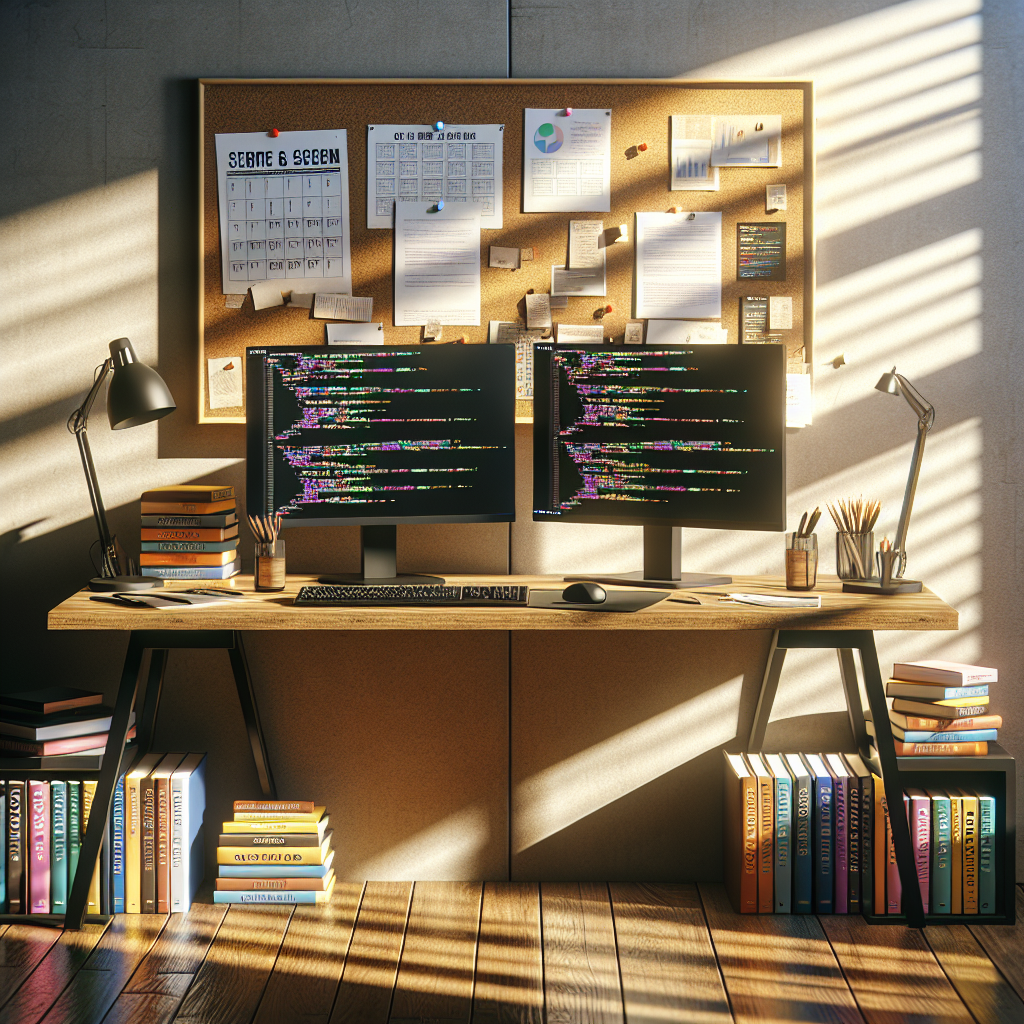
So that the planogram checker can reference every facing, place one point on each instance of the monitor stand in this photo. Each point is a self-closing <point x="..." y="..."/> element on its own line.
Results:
<point x="379" y="562"/>
<point x="662" y="558"/>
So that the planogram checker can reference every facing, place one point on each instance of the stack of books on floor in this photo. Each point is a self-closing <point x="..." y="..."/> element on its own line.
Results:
<point x="940" y="709"/>
<point x="275" y="851"/>
<point x="190" y="533"/>
<point x="55" y="727"/>
<point x="151" y="859"/>
<point x="810" y="833"/>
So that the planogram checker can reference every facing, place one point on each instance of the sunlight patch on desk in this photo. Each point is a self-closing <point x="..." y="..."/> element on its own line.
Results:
<point x="558" y="796"/>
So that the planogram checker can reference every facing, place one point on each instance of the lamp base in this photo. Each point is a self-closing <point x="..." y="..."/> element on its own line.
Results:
<point x="897" y="586"/>
<point x="108" y="583"/>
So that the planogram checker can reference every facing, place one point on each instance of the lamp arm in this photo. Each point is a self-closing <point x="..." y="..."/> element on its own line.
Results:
<point x="923" y="426"/>
<point x="922" y="407"/>
<point x="78" y="424"/>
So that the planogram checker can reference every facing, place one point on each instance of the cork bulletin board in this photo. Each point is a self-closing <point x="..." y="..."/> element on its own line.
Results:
<point x="641" y="111"/>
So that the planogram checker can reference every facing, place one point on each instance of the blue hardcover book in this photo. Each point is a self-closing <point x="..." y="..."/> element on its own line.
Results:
<point x="273" y="895"/>
<point x="941" y="886"/>
<point x="974" y="736"/>
<point x="59" y="847"/>
<point x="193" y="572"/>
<point x="802" y="846"/>
<point x="286" y="871"/>
<point x="117" y="847"/>
<point x="783" y="834"/>
<point x="823" y="828"/>
<point x="986" y="854"/>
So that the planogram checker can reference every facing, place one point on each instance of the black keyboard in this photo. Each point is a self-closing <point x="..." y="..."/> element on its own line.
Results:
<point x="335" y="595"/>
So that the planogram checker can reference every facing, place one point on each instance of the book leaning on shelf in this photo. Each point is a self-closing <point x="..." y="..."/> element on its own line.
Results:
<point x="190" y="532"/>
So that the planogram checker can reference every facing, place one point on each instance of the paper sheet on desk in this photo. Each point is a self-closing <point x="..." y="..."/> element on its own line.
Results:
<point x="779" y="600"/>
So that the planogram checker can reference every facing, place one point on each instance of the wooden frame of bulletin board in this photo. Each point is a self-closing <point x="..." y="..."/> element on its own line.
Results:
<point x="641" y="109"/>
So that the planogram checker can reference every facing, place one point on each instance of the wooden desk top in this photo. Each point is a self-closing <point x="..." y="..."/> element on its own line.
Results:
<point x="276" y="611"/>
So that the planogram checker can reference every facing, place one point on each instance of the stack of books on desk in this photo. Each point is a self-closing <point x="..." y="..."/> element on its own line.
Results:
<point x="190" y="533"/>
<point x="940" y="709"/>
<point x="275" y="851"/>
<point x="59" y="726"/>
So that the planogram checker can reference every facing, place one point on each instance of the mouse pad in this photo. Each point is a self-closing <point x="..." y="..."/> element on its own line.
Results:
<point x="617" y="600"/>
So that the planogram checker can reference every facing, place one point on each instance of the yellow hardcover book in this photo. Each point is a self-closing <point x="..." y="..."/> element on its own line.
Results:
<point x="184" y="508"/>
<point x="269" y="828"/>
<point x="133" y="833"/>
<point x="277" y="815"/>
<point x="970" y="852"/>
<point x="88" y="794"/>
<point x="961" y="702"/>
<point x="288" y="856"/>
<point x="956" y="842"/>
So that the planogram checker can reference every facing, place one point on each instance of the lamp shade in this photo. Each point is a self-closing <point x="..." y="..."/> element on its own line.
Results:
<point x="889" y="384"/>
<point x="137" y="393"/>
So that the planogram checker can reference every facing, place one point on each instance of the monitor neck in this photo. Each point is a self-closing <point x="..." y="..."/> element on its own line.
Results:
<point x="378" y="561"/>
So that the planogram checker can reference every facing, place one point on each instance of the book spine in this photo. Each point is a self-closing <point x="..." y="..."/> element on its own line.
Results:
<point x="163" y="847"/>
<point x="956" y="859"/>
<point x="841" y="869"/>
<point x="951" y="725"/>
<point x="941" y="874"/>
<point x="880" y="819"/>
<point x="15" y="850"/>
<point x="986" y="855"/>
<point x="783" y="842"/>
<point x="39" y="847"/>
<point x="824" y="846"/>
<point x="930" y="692"/>
<point x="949" y="736"/>
<point x="166" y="558"/>
<point x="179" y="896"/>
<point x="257" y="841"/>
<point x="95" y="902"/>
<point x="301" y="871"/>
<point x="133" y="848"/>
<point x="281" y="815"/>
<point x="214" y="535"/>
<point x="970" y="855"/>
<point x="312" y="855"/>
<point x="940" y="749"/>
<point x="803" y="853"/>
<point x="893" y="885"/>
<point x="256" y="896"/>
<point x="206" y="494"/>
<point x="867" y="844"/>
<point x="910" y="673"/>
<point x="189" y="546"/>
<point x="269" y="828"/>
<point x="184" y="508"/>
<point x="74" y="829"/>
<point x="854" y="845"/>
<point x="765" y="846"/>
<point x="59" y="848"/>
<point x="273" y="884"/>
<point x="219" y="521"/>
<point x="270" y="806"/>
<point x="104" y="872"/>
<point x="920" y="838"/>
<point x="184" y="572"/>
<point x="148" y="882"/>
<point x="3" y="847"/>
<point x="117" y="849"/>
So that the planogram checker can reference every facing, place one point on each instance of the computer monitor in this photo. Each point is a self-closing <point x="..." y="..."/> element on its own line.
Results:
<point x="380" y="436"/>
<point x="661" y="438"/>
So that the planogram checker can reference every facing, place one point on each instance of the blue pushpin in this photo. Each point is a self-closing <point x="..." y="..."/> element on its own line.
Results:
<point x="439" y="126"/>
<point x="440" y="204"/>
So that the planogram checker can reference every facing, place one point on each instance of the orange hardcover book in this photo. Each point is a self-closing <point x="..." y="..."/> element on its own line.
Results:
<point x="190" y="492"/>
<point x="188" y="557"/>
<point x="949" y="724"/>
<point x="970" y="850"/>
<point x="179" y="508"/>
<point x="765" y="834"/>
<point x="740" y="820"/>
<point x="161" y="777"/>
<point x="199" y="533"/>
<point x="976" y="749"/>
<point x="956" y="844"/>
<point x="298" y="884"/>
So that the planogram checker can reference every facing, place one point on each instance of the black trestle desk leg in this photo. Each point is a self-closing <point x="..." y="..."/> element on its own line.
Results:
<point x="766" y="695"/>
<point x="151" y="700"/>
<point x="243" y="683"/>
<point x="913" y="908"/>
<point x="854" y="703"/>
<point x="98" y="815"/>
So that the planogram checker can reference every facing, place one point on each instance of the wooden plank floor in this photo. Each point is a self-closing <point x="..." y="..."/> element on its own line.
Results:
<point x="562" y="953"/>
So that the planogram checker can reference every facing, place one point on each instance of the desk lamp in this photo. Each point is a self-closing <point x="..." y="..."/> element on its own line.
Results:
<point x="894" y="383"/>
<point x="137" y="394"/>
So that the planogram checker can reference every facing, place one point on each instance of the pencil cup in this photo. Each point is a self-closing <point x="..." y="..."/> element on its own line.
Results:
<point x="270" y="571"/>
<point x="855" y="556"/>
<point x="801" y="561"/>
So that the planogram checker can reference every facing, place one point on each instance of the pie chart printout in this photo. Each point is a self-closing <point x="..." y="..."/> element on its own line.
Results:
<point x="548" y="138"/>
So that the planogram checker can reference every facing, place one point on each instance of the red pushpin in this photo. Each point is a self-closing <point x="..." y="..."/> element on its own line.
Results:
<point x="568" y="111"/>
<point x="273" y="133"/>
<point x="642" y="147"/>
<point x="674" y="209"/>
<point x="609" y="309"/>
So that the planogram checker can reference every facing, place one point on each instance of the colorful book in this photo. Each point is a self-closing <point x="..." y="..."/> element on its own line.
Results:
<point x="161" y="776"/>
<point x="260" y="896"/>
<point x="268" y="828"/>
<point x="180" y="547"/>
<point x="58" y="847"/>
<point x="104" y="870"/>
<point x="945" y="735"/>
<point x="190" y="493"/>
<point x="221" y="521"/>
<point x="313" y="815"/>
<point x="959" y="723"/>
<point x="15" y="847"/>
<point x="74" y="829"/>
<point x="278" y="871"/>
<point x="276" y="884"/>
<point x="316" y="855"/>
<point x="940" y="749"/>
<point x="859" y="818"/>
<point x="740" y="839"/>
<point x="986" y="854"/>
<point x="955" y="708"/>
<point x="945" y="673"/>
<point x="194" y="535"/>
<point x="970" y="847"/>
<point x="880" y="842"/>
<point x="929" y="691"/>
<point x="842" y="790"/>
<point x="48" y="700"/>
<point x="185" y="508"/>
<point x="269" y="806"/>
<point x="920" y="823"/>
<point x="49" y="748"/>
<point x="3" y="847"/>
<point x="147" y="860"/>
<point x="824" y="828"/>
<point x="956" y="840"/>
<point x="941" y="882"/>
<point x="95" y="902"/>
<point x="188" y="805"/>
<point x="39" y="847"/>
<point x="783" y="834"/>
<point x="192" y="572"/>
<point x="26" y="725"/>
<point x="133" y="830"/>
<point x="170" y="558"/>
<point x="765" y="834"/>
<point x="803" y="853"/>
<point x="117" y="849"/>
<point x="276" y="840"/>
<point x="893" y="883"/>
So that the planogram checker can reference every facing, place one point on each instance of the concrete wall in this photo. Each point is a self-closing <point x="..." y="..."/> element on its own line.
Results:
<point x="919" y="237"/>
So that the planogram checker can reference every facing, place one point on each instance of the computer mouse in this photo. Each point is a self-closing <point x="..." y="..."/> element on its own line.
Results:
<point x="584" y="593"/>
